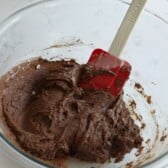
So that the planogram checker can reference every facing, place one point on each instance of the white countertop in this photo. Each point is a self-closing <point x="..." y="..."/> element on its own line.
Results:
<point x="158" y="8"/>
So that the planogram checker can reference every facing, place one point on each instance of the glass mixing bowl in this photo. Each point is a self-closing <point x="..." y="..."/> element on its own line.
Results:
<point x="56" y="29"/>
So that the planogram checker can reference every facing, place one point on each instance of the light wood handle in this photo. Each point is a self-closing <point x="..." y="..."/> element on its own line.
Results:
<point x="126" y="27"/>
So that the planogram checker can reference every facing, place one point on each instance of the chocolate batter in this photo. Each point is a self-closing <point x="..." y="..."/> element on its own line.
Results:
<point x="52" y="117"/>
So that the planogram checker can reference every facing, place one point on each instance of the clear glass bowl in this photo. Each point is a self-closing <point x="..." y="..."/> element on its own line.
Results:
<point x="73" y="29"/>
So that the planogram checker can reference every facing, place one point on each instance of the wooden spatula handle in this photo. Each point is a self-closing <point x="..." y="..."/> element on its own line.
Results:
<point x="126" y="27"/>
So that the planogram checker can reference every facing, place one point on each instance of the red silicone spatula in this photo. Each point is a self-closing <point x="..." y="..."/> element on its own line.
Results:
<point x="100" y="59"/>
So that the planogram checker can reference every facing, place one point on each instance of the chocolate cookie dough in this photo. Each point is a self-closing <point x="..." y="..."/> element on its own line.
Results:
<point x="51" y="116"/>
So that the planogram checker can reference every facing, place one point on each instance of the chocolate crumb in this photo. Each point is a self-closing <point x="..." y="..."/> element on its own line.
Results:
<point x="143" y="125"/>
<point x="140" y="89"/>
<point x="163" y="138"/>
<point x="132" y="104"/>
<point x="149" y="99"/>
<point x="138" y="86"/>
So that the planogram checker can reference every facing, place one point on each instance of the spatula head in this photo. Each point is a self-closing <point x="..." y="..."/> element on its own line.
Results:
<point x="116" y="72"/>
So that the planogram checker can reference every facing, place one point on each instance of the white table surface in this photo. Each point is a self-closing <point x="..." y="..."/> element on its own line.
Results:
<point x="158" y="8"/>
